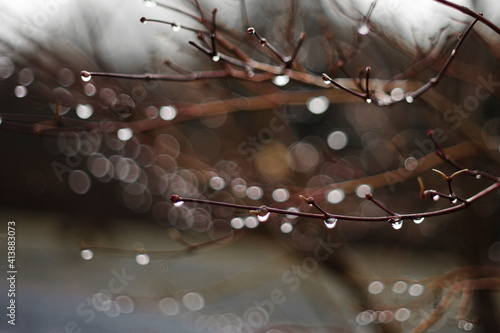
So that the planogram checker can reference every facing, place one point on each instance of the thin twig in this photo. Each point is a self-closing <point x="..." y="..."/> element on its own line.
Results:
<point x="477" y="16"/>
<point x="435" y="80"/>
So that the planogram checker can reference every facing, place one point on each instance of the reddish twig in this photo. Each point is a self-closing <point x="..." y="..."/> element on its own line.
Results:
<point x="393" y="219"/>
<point x="477" y="16"/>
<point x="435" y="80"/>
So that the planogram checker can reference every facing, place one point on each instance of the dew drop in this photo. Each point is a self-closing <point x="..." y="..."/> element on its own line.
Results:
<point x="368" y="100"/>
<point x="363" y="29"/>
<point x="86" y="77"/>
<point x="1" y="119"/>
<point x="20" y="91"/>
<point x="149" y="3"/>
<point x="215" y="58"/>
<point x="409" y="99"/>
<point x="396" y="224"/>
<point x="419" y="220"/>
<point x="263" y="218"/>
<point x="478" y="176"/>
<point x="87" y="254"/>
<point x="326" y="80"/>
<point x="125" y="134"/>
<point x="286" y="228"/>
<point x="142" y="259"/>
<point x="435" y="197"/>
<point x="281" y="80"/>
<point x="331" y="222"/>
<point x="454" y="201"/>
<point x="176" y="27"/>
<point x="178" y="203"/>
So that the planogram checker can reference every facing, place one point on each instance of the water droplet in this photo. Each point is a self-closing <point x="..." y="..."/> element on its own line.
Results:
<point x="478" y="176"/>
<point x="396" y="224"/>
<point x="125" y="134"/>
<point x="454" y="201"/>
<point x="176" y="27"/>
<point x="237" y="223"/>
<point x="363" y="29"/>
<point x="87" y="254"/>
<point x="178" y="203"/>
<point x="215" y="58"/>
<point x="286" y="228"/>
<point x="84" y="111"/>
<point x="281" y="80"/>
<point x="419" y="220"/>
<point x="435" y="197"/>
<point x="368" y="100"/>
<point x="326" y="79"/>
<point x="86" y="77"/>
<point x="397" y="94"/>
<point x="168" y="112"/>
<point x="318" y="104"/>
<point x="1" y="119"/>
<point x="416" y="289"/>
<point x="281" y="195"/>
<point x="263" y="218"/>
<point x="149" y="3"/>
<point x="331" y="222"/>
<point x="409" y="99"/>
<point x="20" y="91"/>
<point x="142" y="259"/>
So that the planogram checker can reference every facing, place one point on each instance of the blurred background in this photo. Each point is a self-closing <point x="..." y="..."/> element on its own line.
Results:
<point x="89" y="164"/>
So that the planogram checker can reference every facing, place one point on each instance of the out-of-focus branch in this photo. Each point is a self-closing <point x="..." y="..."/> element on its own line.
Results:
<point x="477" y="16"/>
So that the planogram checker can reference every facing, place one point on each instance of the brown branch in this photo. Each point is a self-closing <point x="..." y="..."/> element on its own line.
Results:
<point x="435" y="80"/>
<point x="392" y="218"/>
<point x="477" y="16"/>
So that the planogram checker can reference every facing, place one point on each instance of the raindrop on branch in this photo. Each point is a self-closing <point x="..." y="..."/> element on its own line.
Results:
<point x="263" y="218"/>
<point x="363" y="29"/>
<point x="330" y="223"/>
<point x="396" y="224"/>
<point x="176" y="27"/>
<point x="86" y="77"/>
<point x="418" y="220"/>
